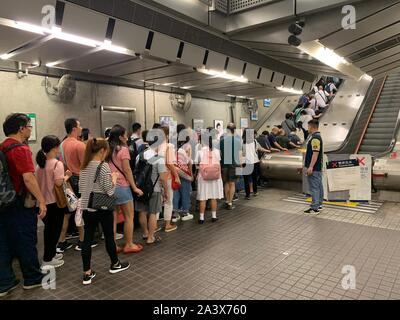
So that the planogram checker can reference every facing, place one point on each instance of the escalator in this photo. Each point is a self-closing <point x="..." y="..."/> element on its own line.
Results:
<point x="374" y="130"/>
<point x="382" y="126"/>
<point x="357" y="129"/>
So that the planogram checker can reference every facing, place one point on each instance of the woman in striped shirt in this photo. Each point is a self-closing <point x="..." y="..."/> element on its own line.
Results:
<point x="95" y="154"/>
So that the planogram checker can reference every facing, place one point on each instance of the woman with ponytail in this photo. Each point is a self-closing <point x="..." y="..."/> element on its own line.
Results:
<point x="50" y="173"/>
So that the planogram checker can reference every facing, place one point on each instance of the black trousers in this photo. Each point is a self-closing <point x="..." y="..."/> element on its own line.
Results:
<point x="305" y="133"/>
<point x="92" y="219"/>
<point x="53" y="222"/>
<point x="254" y="177"/>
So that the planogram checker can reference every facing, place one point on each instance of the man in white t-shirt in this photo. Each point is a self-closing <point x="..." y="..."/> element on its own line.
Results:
<point x="305" y="118"/>
<point x="310" y="111"/>
<point x="322" y="98"/>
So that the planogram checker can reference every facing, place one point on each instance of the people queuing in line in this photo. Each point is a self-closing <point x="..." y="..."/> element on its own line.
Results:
<point x="150" y="172"/>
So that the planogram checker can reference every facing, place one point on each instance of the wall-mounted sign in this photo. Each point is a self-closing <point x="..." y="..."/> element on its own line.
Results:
<point x="244" y="123"/>
<point x="166" y="120"/>
<point x="32" y="117"/>
<point x="198" y="125"/>
<point x="254" y="116"/>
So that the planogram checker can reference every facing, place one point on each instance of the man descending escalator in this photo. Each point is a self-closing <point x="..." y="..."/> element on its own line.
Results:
<point x="313" y="165"/>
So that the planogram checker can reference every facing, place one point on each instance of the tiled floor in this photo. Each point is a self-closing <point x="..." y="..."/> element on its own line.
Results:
<point x="264" y="249"/>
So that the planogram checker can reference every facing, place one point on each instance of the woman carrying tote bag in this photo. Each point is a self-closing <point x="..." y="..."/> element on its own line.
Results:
<point x="50" y="176"/>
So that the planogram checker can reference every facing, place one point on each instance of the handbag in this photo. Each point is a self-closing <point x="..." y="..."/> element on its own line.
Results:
<point x="61" y="199"/>
<point x="101" y="201"/>
<point x="174" y="184"/>
<point x="210" y="170"/>
<point x="72" y="199"/>
<point x="78" y="215"/>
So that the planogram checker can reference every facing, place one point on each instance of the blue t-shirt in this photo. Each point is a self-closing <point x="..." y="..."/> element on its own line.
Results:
<point x="272" y="140"/>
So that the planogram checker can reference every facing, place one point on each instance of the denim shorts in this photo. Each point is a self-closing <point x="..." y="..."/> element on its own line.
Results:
<point x="124" y="195"/>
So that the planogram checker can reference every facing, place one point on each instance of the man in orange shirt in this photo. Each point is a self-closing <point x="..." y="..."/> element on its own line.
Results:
<point x="72" y="152"/>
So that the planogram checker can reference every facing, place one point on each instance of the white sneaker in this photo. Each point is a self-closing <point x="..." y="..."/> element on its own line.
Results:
<point x="176" y="217"/>
<point x="187" y="216"/>
<point x="52" y="264"/>
<point x="59" y="256"/>
<point x="119" y="236"/>
<point x="102" y="236"/>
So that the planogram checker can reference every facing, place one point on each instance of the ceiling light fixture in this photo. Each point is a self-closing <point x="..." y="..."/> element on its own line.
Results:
<point x="367" y="77"/>
<point x="223" y="75"/>
<point x="289" y="90"/>
<point x="6" y="56"/>
<point x="30" y="27"/>
<point x="330" y="57"/>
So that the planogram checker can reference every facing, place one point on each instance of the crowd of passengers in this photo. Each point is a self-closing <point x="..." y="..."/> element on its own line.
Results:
<point x="104" y="182"/>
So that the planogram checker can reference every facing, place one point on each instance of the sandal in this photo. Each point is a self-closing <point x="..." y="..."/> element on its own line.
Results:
<point x="157" y="239"/>
<point x="128" y="250"/>
<point x="144" y="237"/>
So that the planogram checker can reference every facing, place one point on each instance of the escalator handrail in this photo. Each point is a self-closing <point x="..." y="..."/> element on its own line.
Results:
<point x="257" y="127"/>
<point x="392" y="144"/>
<point x="370" y="115"/>
<point x="356" y="119"/>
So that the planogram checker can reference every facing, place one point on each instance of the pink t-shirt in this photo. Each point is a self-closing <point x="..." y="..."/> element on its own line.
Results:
<point x="46" y="177"/>
<point x="120" y="154"/>
<point x="73" y="154"/>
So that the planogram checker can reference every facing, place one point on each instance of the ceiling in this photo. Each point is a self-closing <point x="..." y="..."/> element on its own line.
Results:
<point x="147" y="56"/>
<point x="373" y="46"/>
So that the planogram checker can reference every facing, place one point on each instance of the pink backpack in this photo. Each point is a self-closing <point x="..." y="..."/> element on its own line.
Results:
<point x="211" y="170"/>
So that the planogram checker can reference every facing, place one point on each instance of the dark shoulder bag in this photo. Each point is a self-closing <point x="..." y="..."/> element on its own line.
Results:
<point x="101" y="201"/>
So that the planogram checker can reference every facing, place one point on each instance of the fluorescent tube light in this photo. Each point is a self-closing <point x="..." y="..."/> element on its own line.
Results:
<point x="329" y="57"/>
<point x="367" y="77"/>
<point x="6" y="56"/>
<point x="289" y="90"/>
<point x="29" y="27"/>
<point x="223" y="75"/>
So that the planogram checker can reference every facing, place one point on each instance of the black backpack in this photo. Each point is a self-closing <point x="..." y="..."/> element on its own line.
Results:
<point x="133" y="152"/>
<point x="143" y="171"/>
<point x="8" y="195"/>
<point x="328" y="88"/>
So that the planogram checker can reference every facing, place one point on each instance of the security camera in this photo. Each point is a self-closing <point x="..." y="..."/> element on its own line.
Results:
<point x="295" y="29"/>
<point x="294" y="41"/>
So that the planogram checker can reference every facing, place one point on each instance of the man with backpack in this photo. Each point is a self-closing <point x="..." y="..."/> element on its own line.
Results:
<point x="134" y="143"/>
<point x="18" y="212"/>
<point x="331" y="89"/>
<point x="151" y="176"/>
